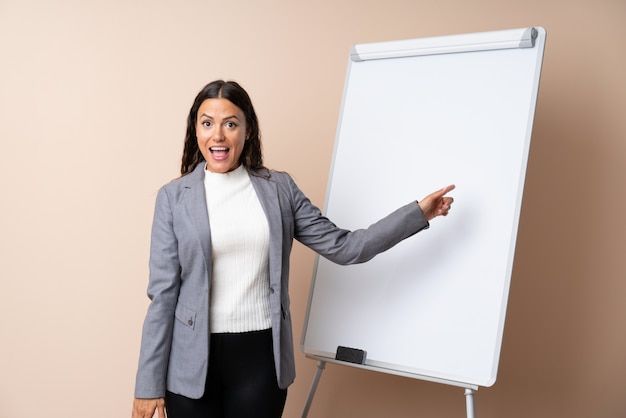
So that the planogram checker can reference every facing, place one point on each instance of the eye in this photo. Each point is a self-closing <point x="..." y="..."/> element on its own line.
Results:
<point x="231" y="125"/>
<point x="206" y="123"/>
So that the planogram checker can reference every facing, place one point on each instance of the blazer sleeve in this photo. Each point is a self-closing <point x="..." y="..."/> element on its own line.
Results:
<point x="163" y="290"/>
<point x="343" y="246"/>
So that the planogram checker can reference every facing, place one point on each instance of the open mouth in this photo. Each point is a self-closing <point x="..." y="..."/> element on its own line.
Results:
<point x="219" y="152"/>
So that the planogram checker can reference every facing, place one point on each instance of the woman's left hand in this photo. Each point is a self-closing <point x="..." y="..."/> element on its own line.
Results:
<point x="437" y="203"/>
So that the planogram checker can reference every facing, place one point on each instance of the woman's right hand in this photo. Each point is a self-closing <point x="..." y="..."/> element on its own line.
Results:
<point x="144" y="408"/>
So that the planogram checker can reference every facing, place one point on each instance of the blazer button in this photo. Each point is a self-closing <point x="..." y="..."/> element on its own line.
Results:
<point x="271" y="290"/>
<point x="190" y="322"/>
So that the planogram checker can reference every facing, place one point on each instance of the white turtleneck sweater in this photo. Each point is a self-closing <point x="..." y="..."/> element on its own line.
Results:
<point x="240" y="254"/>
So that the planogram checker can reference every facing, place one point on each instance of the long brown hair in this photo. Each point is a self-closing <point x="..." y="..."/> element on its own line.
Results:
<point x="251" y="157"/>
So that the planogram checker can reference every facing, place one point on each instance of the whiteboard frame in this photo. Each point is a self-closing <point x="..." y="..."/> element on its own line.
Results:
<point x="533" y="37"/>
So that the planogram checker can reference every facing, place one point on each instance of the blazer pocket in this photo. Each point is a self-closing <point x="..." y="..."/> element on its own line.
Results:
<point x="186" y="316"/>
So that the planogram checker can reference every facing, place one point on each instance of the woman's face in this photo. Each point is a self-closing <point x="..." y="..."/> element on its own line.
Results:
<point x="221" y="132"/>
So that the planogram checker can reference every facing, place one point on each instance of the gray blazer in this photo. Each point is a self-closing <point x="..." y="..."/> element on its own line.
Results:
<point x="175" y="340"/>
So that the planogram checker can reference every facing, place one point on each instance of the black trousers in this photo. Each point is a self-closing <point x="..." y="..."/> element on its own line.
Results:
<point x="241" y="381"/>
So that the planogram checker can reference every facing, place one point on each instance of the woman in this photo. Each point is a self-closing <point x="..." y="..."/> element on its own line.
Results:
<point x="217" y="338"/>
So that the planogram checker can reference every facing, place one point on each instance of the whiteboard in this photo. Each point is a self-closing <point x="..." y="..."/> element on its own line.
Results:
<point x="418" y="115"/>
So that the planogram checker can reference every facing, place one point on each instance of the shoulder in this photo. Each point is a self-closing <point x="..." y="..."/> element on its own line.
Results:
<point x="174" y="187"/>
<point x="190" y="179"/>
<point x="272" y="176"/>
<point x="269" y="174"/>
<point x="179" y="186"/>
<point x="276" y="183"/>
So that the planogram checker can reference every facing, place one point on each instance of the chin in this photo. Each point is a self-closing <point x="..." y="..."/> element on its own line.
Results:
<point x="220" y="168"/>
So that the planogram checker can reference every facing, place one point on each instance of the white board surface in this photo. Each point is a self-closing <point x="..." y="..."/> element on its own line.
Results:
<point x="459" y="110"/>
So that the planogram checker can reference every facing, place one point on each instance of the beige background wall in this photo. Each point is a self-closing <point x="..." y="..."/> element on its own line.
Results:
<point x="93" y="99"/>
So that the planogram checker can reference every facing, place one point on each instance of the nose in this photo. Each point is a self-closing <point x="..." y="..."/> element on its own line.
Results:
<point x="218" y="134"/>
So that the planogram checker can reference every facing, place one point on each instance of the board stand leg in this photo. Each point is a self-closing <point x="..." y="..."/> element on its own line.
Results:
<point x="318" y="374"/>
<point x="469" y="403"/>
<point x="321" y="365"/>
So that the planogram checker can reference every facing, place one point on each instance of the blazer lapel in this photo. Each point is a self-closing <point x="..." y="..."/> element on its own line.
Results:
<point x="195" y="201"/>
<point x="267" y="193"/>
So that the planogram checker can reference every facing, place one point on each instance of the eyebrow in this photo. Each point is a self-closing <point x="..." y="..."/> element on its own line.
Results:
<point x="227" y="117"/>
